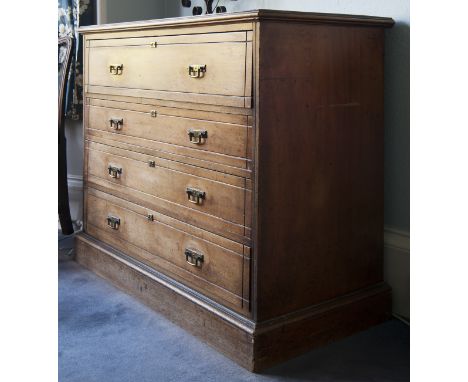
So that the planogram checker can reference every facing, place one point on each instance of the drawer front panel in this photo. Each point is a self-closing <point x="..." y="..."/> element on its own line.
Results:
<point x="198" y="257"/>
<point x="167" y="67"/>
<point x="219" y="199"/>
<point x="223" y="138"/>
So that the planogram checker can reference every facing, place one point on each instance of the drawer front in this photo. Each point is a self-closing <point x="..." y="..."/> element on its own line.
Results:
<point x="224" y="138"/>
<point x="195" y="258"/>
<point x="208" y="68"/>
<point x="207" y="196"/>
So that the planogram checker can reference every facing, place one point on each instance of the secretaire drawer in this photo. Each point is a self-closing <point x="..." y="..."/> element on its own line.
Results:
<point x="221" y="195"/>
<point x="169" y="245"/>
<point x="158" y="124"/>
<point x="204" y="64"/>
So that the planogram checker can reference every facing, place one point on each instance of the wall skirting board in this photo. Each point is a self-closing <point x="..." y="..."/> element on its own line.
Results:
<point x="396" y="251"/>
<point x="397" y="269"/>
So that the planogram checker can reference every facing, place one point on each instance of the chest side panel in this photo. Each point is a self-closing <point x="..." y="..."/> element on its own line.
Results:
<point x="320" y="164"/>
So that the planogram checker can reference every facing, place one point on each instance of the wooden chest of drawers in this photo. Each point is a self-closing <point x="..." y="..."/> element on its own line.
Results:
<point x="234" y="175"/>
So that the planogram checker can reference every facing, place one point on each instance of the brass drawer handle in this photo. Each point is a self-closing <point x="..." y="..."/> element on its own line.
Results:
<point x="196" y="71"/>
<point x="195" y="196"/>
<point x="116" y="69"/>
<point x="154" y="113"/>
<point x="116" y="123"/>
<point x="194" y="258"/>
<point x="113" y="222"/>
<point x="197" y="137"/>
<point x="114" y="172"/>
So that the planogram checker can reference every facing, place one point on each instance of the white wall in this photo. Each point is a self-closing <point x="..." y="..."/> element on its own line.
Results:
<point x="397" y="128"/>
<point x="114" y="11"/>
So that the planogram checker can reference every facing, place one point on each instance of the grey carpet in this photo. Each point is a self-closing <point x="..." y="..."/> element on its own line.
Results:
<point x="108" y="336"/>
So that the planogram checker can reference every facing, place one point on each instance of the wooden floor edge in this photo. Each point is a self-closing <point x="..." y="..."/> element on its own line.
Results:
<point x="254" y="347"/>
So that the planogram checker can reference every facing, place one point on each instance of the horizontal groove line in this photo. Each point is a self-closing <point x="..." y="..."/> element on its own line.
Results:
<point x="172" y="116"/>
<point x="110" y="190"/>
<point x="172" y="35"/>
<point x="181" y="163"/>
<point x="171" y="143"/>
<point x="145" y="45"/>
<point x="182" y="206"/>
<point x="170" y="226"/>
<point x="171" y="91"/>
<point x="90" y="139"/>
<point x="168" y="168"/>
<point x="182" y="147"/>
<point x="175" y="265"/>
<point x="100" y="97"/>
<point x="171" y="153"/>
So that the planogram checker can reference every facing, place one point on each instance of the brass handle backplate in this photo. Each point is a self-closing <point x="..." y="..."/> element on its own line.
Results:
<point x="195" y="196"/>
<point x="114" y="172"/>
<point x="197" y="137"/>
<point x="116" y="123"/>
<point x="116" y="69"/>
<point x="196" y="71"/>
<point x="194" y="258"/>
<point x="113" y="222"/>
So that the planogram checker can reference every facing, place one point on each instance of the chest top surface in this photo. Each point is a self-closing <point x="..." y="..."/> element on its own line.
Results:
<point x="247" y="16"/>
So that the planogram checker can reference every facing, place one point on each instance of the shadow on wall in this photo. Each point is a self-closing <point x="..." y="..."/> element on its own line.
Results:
<point x="397" y="126"/>
<point x="397" y="166"/>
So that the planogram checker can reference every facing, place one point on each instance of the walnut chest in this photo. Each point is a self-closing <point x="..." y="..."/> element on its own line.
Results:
<point x="234" y="175"/>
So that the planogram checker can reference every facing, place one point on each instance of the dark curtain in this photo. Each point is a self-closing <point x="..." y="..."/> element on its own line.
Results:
<point x="71" y="15"/>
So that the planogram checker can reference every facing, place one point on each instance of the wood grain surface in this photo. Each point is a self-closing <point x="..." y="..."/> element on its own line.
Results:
<point x="165" y="68"/>
<point x="222" y="200"/>
<point x="319" y="164"/>
<point x="220" y="266"/>
<point x="223" y="138"/>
